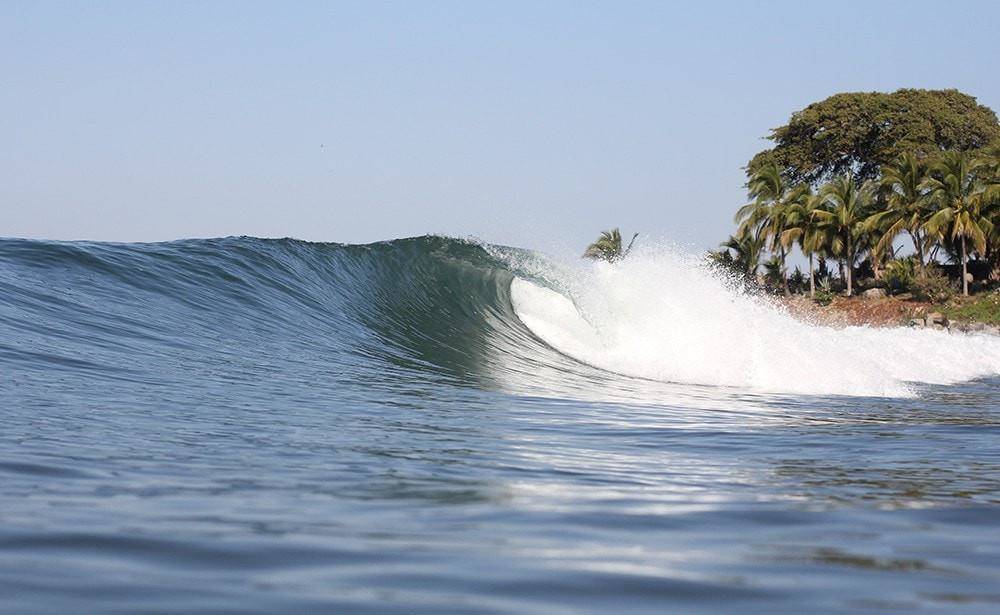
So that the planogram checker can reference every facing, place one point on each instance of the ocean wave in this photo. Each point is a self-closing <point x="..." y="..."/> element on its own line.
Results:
<point x="440" y="309"/>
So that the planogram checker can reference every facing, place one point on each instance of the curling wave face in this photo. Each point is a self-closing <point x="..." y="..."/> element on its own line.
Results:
<point x="437" y="310"/>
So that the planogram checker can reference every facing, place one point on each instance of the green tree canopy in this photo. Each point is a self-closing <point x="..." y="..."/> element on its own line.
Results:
<point x="859" y="132"/>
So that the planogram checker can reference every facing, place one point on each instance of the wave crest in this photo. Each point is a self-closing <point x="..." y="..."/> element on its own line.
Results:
<point x="440" y="311"/>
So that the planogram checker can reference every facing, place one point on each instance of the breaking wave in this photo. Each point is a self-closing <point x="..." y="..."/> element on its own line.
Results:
<point x="441" y="310"/>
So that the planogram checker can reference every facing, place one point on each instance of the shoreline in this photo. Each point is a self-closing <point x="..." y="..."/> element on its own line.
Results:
<point x="892" y="312"/>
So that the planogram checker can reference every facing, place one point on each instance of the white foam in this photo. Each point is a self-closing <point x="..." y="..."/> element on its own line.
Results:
<point x="663" y="315"/>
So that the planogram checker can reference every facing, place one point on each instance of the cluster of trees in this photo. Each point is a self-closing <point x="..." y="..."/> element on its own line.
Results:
<point x="852" y="176"/>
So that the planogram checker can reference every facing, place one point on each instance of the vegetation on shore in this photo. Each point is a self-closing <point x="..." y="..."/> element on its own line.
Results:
<point x="984" y="308"/>
<point x="900" y="190"/>
<point x="608" y="247"/>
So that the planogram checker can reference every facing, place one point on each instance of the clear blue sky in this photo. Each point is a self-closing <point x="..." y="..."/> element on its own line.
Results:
<point x="534" y="124"/>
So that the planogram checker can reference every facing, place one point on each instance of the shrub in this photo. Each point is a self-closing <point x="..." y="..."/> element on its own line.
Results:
<point x="798" y="281"/>
<point x="824" y="294"/>
<point x="933" y="286"/>
<point x="773" y="276"/>
<point x="899" y="275"/>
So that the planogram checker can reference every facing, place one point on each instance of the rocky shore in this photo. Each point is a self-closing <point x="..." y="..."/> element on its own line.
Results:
<point x="875" y="309"/>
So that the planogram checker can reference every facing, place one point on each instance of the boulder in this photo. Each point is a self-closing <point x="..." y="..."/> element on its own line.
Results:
<point x="917" y="322"/>
<point x="934" y="318"/>
<point x="873" y="293"/>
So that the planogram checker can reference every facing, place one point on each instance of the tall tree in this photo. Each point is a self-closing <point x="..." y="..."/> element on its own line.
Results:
<point x="765" y="217"/>
<point x="904" y="206"/>
<point x="845" y="207"/>
<point x="805" y="228"/>
<point x="859" y="132"/>
<point x="956" y="186"/>
<point x="991" y="160"/>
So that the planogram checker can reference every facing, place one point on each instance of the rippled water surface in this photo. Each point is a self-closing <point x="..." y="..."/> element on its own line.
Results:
<point x="251" y="425"/>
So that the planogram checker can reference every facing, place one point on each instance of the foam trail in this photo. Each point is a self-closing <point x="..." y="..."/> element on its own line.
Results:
<point x="663" y="315"/>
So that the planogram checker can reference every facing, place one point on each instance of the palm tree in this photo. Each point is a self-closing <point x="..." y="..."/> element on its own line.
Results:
<point x="845" y="206"/>
<point x="805" y="229"/>
<point x="905" y="206"/>
<point x="872" y="238"/>
<point x="956" y="187"/>
<point x="991" y="160"/>
<point x="609" y="246"/>
<point x="992" y="212"/>
<point x="744" y="258"/>
<point x="990" y="157"/>
<point x="766" y="216"/>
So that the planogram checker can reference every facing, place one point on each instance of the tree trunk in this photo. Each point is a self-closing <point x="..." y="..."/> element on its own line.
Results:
<point x="784" y="275"/>
<point x="918" y="246"/>
<point x="850" y="267"/>
<point x="965" y="270"/>
<point x="812" y="278"/>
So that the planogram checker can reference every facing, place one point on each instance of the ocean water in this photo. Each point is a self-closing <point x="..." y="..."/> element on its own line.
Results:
<point x="437" y="425"/>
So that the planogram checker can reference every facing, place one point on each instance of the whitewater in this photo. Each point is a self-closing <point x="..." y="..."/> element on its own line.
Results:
<point x="435" y="424"/>
<point x="665" y="315"/>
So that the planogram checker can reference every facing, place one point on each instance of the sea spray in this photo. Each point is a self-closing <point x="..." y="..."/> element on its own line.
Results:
<point x="665" y="315"/>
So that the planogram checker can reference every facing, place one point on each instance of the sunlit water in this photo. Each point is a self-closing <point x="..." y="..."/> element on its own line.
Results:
<point x="433" y="425"/>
